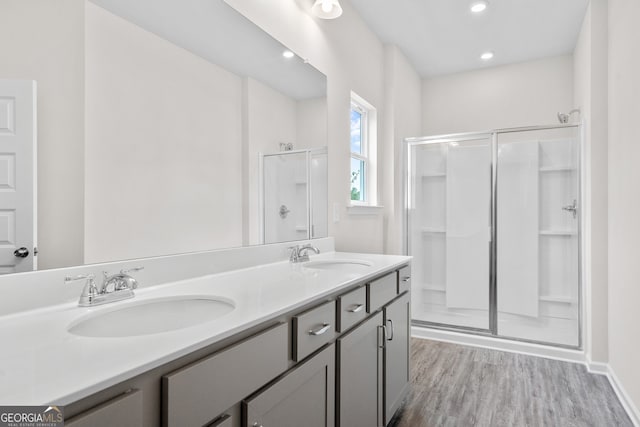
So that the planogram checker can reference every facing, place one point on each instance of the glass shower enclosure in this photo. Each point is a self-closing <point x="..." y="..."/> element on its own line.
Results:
<point x="294" y="195"/>
<point x="494" y="228"/>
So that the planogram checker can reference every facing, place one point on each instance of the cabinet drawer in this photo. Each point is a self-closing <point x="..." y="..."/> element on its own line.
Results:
<point x="352" y="308"/>
<point x="201" y="391"/>
<point x="124" y="410"/>
<point x="381" y="291"/>
<point x="313" y="329"/>
<point x="404" y="279"/>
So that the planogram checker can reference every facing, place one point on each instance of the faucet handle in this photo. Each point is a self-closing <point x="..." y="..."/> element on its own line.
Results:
<point x="89" y="277"/>
<point x="293" y="257"/>
<point x="90" y="289"/>
<point x="131" y="270"/>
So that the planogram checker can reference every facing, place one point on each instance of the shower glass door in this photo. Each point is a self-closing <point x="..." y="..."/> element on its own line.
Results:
<point x="448" y="230"/>
<point x="537" y="235"/>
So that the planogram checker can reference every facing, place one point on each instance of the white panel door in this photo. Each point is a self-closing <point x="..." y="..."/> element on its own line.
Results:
<point x="17" y="175"/>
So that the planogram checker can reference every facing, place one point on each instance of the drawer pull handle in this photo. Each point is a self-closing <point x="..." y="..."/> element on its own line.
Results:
<point x="356" y="308"/>
<point x="392" y="332"/>
<point x="321" y="330"/>
<point x="406" y="278"/>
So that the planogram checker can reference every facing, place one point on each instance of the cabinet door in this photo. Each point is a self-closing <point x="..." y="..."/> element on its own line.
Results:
<point x="359" y="402"/>
<point x="304" y="396"/>
<point x="396" y="355"/>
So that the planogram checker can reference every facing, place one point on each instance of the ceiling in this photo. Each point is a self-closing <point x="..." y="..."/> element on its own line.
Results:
<point x="214" y="31"/>
<point x="444" y="36"/>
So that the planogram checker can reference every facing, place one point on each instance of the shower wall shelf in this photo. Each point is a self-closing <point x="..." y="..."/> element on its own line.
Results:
<point x="558" y="232"/>
<point x="433" y="287"/>
<point x="558" y="298"/>
<point x="557" y="169"/>
<point x="436" y="230"/>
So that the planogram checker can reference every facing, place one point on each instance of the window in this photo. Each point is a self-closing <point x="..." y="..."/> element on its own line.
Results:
<point x="362" y="147"/>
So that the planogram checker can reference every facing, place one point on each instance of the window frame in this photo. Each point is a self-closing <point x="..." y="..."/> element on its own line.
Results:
<point x="364" y="151"/>
<point x="368" y="154"/>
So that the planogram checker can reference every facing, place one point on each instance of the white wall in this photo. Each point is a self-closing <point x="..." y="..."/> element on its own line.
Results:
<point x="159" y="121"/>
<point x="524" y="94"/>
<point x="590" y="95"/>
<point x="403" y="118"/>
<point x="624" y="202"/>
<point x="311" y="123"/>
<point x="43" y="41"/>
<point x="352" y="58"/>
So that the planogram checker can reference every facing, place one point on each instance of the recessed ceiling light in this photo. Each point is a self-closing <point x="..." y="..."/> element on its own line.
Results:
<point x="288" y="54"/>
<point x="326" y="9"/>
<point x="486" y="56"/>
<point x="479" y="6"/>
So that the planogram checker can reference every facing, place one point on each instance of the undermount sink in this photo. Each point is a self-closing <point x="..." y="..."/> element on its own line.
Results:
<point x="153" y="316"/>
<point x="350" y="265"/>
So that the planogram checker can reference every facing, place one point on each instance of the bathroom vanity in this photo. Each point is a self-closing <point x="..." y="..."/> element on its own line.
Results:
<point x="317" y="343"/>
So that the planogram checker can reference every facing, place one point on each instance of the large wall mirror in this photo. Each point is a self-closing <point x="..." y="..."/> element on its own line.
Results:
<point x="181" y="99"/>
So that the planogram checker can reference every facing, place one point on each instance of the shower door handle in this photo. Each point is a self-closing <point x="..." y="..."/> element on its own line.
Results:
<point x="572" y="208"/>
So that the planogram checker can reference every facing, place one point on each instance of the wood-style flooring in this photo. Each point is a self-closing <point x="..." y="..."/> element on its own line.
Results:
<point x="455" y="385"/>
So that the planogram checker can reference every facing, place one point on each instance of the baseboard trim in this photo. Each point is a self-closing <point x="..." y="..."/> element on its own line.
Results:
<point x="623" y="397"/>
<point x="597" y="367"/>
<point x="565" y="355"/>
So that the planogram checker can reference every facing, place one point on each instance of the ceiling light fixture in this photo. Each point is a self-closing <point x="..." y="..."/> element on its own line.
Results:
<point x="326" y="9"/>
<point x="479" y="6"/>
<point x="288" y="54"/>
<point x="486" y="56"/>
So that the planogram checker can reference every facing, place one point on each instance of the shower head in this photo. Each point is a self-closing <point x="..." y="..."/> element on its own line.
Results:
<point x="564" y="117"/>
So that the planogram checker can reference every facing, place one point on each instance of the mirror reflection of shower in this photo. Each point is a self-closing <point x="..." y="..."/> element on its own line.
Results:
<point x="564" y="117"/>
<point x="294" y="195"/>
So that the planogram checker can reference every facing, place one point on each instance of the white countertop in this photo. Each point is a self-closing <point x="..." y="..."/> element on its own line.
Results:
<point x="42" y="363"/>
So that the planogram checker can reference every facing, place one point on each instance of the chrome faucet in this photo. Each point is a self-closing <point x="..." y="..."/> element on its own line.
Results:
<point x="116" y="287"/>
<point x="301" y="253"/>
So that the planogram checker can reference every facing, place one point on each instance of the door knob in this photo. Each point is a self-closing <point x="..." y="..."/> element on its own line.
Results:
<point x="21" y="252"/>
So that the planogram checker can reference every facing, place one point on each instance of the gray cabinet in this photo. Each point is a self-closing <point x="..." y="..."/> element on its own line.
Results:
<point x="341" y="359"/>
<point x="304" y="396"/>
<point x="359" y="388"/>
<point x="396" y="354"/>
